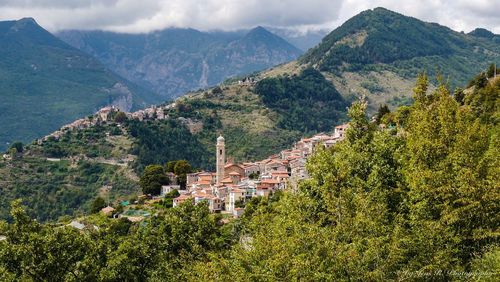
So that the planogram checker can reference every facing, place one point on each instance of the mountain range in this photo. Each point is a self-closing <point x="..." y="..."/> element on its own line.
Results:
<point x="376" y="55"/>
<point x="46" y="82"/>
<point x="173" y="61"/>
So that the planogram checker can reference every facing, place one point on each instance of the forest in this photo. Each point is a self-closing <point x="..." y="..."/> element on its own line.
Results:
<point x="306" y="102"/>
<point x="413" y="198"/>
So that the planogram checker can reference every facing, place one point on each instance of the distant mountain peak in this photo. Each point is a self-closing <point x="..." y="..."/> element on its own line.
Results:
<point x="482" y="32"/>
<point x="260" y="31"/>
<point x="367" y="37"/>
<point x="27" y="20"/>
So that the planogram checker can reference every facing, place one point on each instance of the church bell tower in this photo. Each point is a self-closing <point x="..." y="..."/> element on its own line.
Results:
<point x="221" y="159"/>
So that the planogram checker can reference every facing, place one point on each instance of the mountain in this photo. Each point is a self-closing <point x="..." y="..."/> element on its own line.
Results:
<point x="484" y="33"/>
<point x="259" y="114"/>
<point x="384" y="45"/>
<point x="46" y="83"/>
<point x="173" y="61"/>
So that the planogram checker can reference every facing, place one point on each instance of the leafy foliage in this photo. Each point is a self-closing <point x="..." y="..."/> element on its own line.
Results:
<point x="385" y="204"/>
<point x="308" y="102"/>
<point x="419" y="201"/>
<point x="162" y="249"/>
<point x="152" y="179"/>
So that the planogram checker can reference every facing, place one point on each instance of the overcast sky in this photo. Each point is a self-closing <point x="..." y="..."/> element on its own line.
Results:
<point x="147" y="15"/>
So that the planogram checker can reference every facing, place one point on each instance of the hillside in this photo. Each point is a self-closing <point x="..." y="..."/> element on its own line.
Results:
<point x="415" y="196"/>
<point x="173" y="61"/>
<point x="47" y="83"/>
<point x="81" y="161"/>
<point x="259" y="115"/>
<point x="378" y="53"/>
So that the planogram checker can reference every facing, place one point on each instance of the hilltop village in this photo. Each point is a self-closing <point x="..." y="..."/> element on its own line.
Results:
<point x="232" y="184"/>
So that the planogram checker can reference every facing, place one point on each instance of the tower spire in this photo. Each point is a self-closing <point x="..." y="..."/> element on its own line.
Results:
<point x="221" y="159"/>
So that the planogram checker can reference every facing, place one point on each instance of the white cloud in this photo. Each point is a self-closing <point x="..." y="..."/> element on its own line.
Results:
<point x="147" y="15"/>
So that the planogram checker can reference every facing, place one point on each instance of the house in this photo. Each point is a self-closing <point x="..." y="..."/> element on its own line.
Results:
<point x="271" y="184"/>
<point x="215" y="204"/>
<point x="107" y="211"/>
<point x="331" y="142"/>
<point x="340" y="131"/>
<point x="249" y="186"/>
<point x="235" y="177"/>
<point x="235" y="195"/>
<point x="165" y="189"/>
<point x="104" y="113"/>
<point x="251" y="168"/>
<point x="230" y="167"/>
<point x="182" y="198"/>
<point x="263" y="191"/>
<point x="274" y="165"/>
<point x="227" y="181"/>
<point x="238" y="212"/>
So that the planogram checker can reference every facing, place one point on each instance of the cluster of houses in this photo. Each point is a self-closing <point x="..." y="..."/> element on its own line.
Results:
<point x="105" y="114"/>
<point x="233" y="184"/>
<point x="247" y="81"/>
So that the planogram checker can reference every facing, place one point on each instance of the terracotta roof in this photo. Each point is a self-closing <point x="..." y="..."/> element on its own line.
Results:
<point x="270" y="181"/>
<point x="227" y="180"/>
<point x="230" y="165"/>
<point x="238" y="190"/>
<point x="183" y="197"/>
<point x="234" y="173"/>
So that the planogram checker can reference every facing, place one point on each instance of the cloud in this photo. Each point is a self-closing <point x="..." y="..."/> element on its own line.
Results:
<point x="147" y="15"/>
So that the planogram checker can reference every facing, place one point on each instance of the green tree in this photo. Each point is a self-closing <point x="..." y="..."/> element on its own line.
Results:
<point x="459" y="95"/>
<point x="181" y="169"/>
<point x="18" y="146"/>
<point x="152" y="179"/>
<point x="120" y="117"/>
<point x="382" y="111"/>
<point x="169" y="166"/>
<point x="98" y="204"/>
<point x="491" y="71"/>
<point x="35" y="252"/>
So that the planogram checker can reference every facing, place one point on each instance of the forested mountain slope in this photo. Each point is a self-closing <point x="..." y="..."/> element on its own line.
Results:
<point x="46" y="83"/>
<point x="378" y="53"/>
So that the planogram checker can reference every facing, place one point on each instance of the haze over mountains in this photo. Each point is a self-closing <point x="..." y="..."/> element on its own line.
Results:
<point x="173" y="61"/>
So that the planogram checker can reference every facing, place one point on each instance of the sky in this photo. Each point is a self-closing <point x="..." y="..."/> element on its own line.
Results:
<point x="137" y="16"/>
